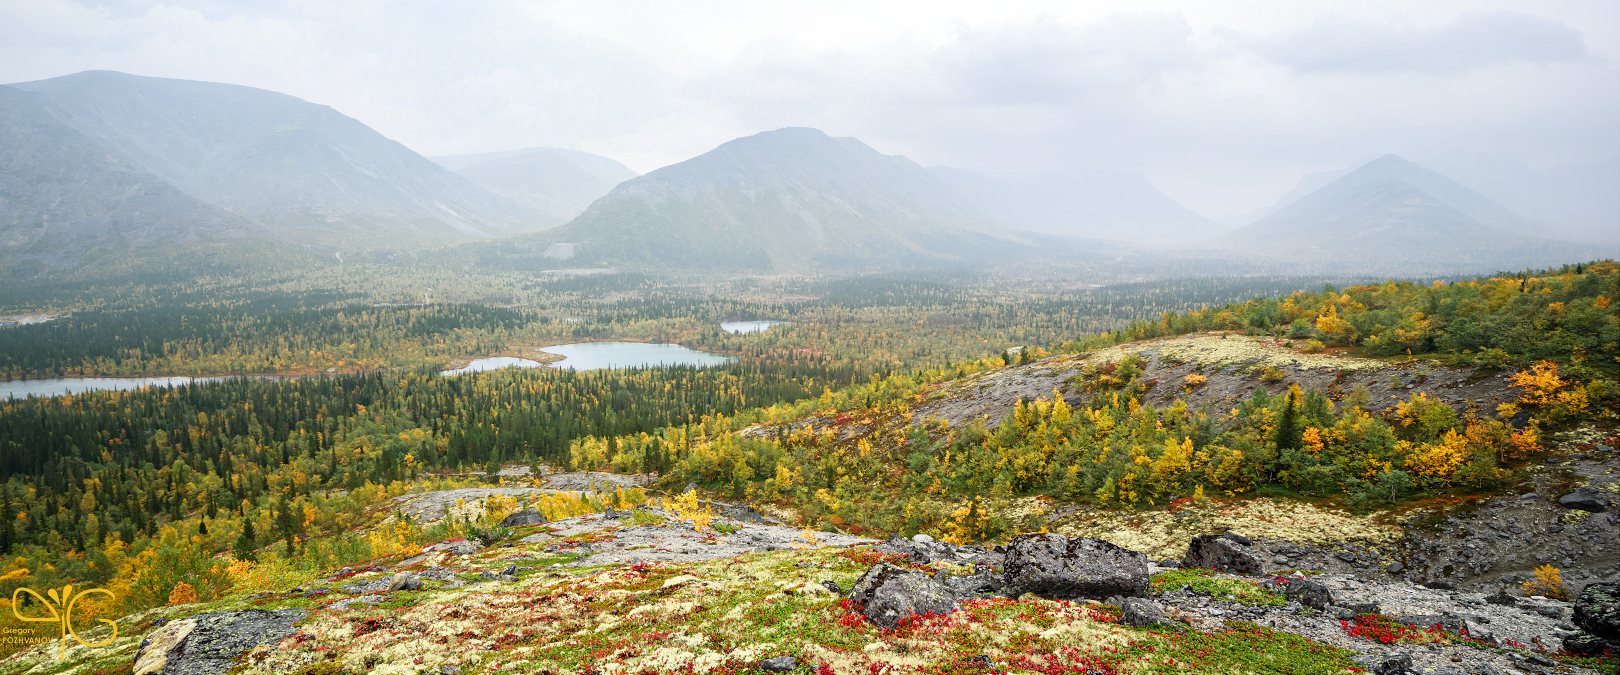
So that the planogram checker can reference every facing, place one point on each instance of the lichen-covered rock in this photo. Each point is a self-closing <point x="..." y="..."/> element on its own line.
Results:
<point x="1597" y="615"/>
<point x="208" y="644"/>
<point x="522" y="518"/>
<point x="1308" y="593"/>
<point x="1221" y="554"/>
<point x="886" y="594"/>
<point x="1055" y="566"/>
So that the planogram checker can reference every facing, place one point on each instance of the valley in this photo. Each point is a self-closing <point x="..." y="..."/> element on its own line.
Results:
<point x="285" y="392"/>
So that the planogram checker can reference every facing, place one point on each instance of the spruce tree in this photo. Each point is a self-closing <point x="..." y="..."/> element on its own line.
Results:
<point x="1288" y="431"/>
<point x="247" y="543"/>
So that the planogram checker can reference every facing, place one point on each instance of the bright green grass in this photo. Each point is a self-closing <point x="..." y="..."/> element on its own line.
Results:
<point x="1231" y="590"/>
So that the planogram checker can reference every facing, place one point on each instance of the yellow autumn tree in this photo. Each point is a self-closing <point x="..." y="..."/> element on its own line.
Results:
<point x="1437" y="461"/>
<point x="1331" y="325"/>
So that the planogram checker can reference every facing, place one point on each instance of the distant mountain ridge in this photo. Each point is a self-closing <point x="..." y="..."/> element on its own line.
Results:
<point x="555" y="183"/>
<point x="790" y="199"/>
<point x="1114" y="206"/>
<point x="1394" y="210"/>
<point x="301" y="171"/>
<point x="64" y="197"/>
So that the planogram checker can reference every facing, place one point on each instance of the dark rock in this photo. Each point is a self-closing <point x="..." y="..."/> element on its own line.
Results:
<point x="209" y="643"/>
<point x="1597" y="614"/>
<point x="1548" y="611"/>
<point x="1233" y="536"/>
<point x="831" y="585"/>
<point x="886" y="594"/>
<point x="1221" y="554"/>
<point x="1384" y="664"/>
<point x="1585" y="499"/>
<point x="1586" y="644"/>
<point x="1055" y="566"/>
<point x="981" y="584"/>
<point x="1503" y="599"/>
<point x="1142" y="612"/>
<point x="746" y="514"/>
<point x="322" y="590"/>
<point x="983" y="661"/>
<point x="1308" y="593"/>
<point x="779" y="664"/>
<point x="521" y="518"/>
<point x="1360" y="608"/>
<point x="1439" y="585"/>
<point x="511" y="569"/>
<point x="1520" y="420"/>
<point x="1394" y="568"/>
<point x="612" y="514"/>
<point x="486" y="574"/>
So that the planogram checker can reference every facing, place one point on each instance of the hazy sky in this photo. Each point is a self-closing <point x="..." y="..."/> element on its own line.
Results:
<point x="1222" y="104"/>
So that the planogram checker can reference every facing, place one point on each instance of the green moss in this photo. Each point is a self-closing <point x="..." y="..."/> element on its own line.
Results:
<point x="1232" y="590"/>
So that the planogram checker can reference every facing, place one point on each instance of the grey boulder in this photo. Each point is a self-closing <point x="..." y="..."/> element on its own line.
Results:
<point x="1055" y="566"/>
<point x="208" y="644"/>
<point x="404" y="581"/>
<point x="522" y="518"/>
<point x="1308" y="593"/>
<point x="1384" y="664"/>
<point x="1597" y="617"/>
<point x="886" y="595"/>
<point x="1222" y="554"/>
<point x="779" y="664"/>
<point x="1585" y="499"/>
<point x="1141" y="612"/>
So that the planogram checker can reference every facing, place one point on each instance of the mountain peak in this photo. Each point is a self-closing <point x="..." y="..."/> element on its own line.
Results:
<point x="304" y="171"/>
<point x="791" y="198"/>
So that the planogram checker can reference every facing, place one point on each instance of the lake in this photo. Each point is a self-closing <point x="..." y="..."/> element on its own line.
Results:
<point x="580" y="356"/>
<point x="79" y="385"/>
<point x="492" y="363"/>
<point x="745" y="327"/>
<point x="598" y="355"/>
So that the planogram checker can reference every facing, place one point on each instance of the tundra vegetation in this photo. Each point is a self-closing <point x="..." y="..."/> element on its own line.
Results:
<point x="205" y="492"/>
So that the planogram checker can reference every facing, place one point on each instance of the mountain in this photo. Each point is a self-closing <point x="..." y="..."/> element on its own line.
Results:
<point x="63" y="197"/>
<point x="1098" y="205"/>
<point x="1395" y="211"/>
<point x="1577" y="202"/>
<point x="304" y="172"/>
<point x="790" y="199"/>
<point x="556" y="184"/>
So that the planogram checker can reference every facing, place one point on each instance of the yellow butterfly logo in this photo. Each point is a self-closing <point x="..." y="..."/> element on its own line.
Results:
<point x="64" y="600"/>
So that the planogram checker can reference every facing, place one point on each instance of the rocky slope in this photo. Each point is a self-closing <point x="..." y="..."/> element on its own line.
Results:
<point x="646" y="592"/>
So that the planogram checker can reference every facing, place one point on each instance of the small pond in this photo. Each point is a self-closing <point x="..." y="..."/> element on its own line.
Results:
<point x="746" y="327"/>
<point x="598" y="355"/>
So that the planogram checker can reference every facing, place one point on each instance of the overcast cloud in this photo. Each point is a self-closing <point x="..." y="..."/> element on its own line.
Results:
<point x="1223" y="105"/>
